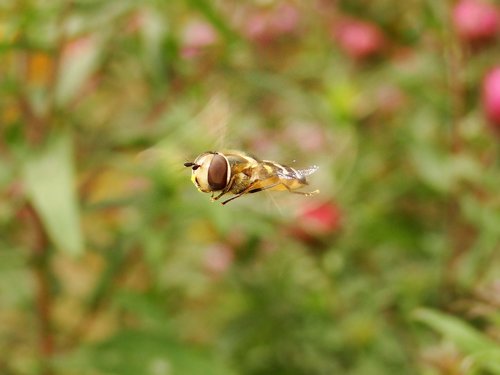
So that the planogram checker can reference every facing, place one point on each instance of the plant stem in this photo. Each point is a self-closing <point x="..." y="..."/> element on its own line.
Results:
<point x="43" y="297"/>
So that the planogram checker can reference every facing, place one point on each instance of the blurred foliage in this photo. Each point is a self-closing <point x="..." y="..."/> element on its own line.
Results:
<point x="112" y="263"/>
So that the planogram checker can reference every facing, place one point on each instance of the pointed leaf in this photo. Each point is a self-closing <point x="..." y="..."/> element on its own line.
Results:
<point x="463" y="335"/>
<point x="49" y="183"/>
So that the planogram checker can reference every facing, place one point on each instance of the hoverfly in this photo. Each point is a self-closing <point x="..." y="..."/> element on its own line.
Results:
<point x="238" y="173"/>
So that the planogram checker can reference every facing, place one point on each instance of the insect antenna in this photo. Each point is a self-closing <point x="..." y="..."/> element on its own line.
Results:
<point x="194" y="166"/>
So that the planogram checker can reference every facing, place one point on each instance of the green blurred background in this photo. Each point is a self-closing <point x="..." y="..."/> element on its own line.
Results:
<point x="112" y="263"/>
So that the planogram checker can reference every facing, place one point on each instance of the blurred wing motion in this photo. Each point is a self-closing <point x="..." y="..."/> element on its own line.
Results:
<point x="239" y="173"/>
<point x="169" y="152"/>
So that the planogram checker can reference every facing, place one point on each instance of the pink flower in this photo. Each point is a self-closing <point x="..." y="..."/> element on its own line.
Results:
<point x="359" y="39"/>
<point x="196" y="37"/>
<point x="265" y="26"/>
<point x="257" y="27"/>
<point x="284" y="20"/>
<point x="475" y="20"/>
<point x="491" y="97"/>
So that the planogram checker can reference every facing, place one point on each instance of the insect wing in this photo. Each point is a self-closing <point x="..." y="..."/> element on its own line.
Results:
<point x="296" y="174"/>
<point x="308" y="171"/>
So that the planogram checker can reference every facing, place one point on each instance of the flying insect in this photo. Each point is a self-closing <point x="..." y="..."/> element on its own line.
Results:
<point x="238" y="173"/>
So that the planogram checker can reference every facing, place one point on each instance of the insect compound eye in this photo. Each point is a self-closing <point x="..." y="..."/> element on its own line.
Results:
<point x="217" y="172"/>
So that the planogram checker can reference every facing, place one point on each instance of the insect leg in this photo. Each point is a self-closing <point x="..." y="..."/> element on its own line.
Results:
<point x="305" y="193"/>
<point x="249" y="190"/>
<point x="223" y="192"/>
<point x="226" y="189"/>
<point x="264" y="188"/>
<point x="218" y="196"/>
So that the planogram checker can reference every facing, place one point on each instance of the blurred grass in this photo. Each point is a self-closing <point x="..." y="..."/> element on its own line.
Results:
<point x="392" y="269"/>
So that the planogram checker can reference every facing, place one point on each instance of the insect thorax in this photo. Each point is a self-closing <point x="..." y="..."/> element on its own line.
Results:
<point x="241" y="181"/>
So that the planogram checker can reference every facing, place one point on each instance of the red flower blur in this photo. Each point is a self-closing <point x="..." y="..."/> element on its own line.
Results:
<point x="316" y="221"/>
<point x="359" y="39"/>
<point x="475" y="20"/>
<point x="491" y="97"/>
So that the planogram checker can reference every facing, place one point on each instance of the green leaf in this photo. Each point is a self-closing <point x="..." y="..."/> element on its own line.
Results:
<point x="50" y="186"/>
<point x="463" y="335"/>
<point x="482" y="351"/>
